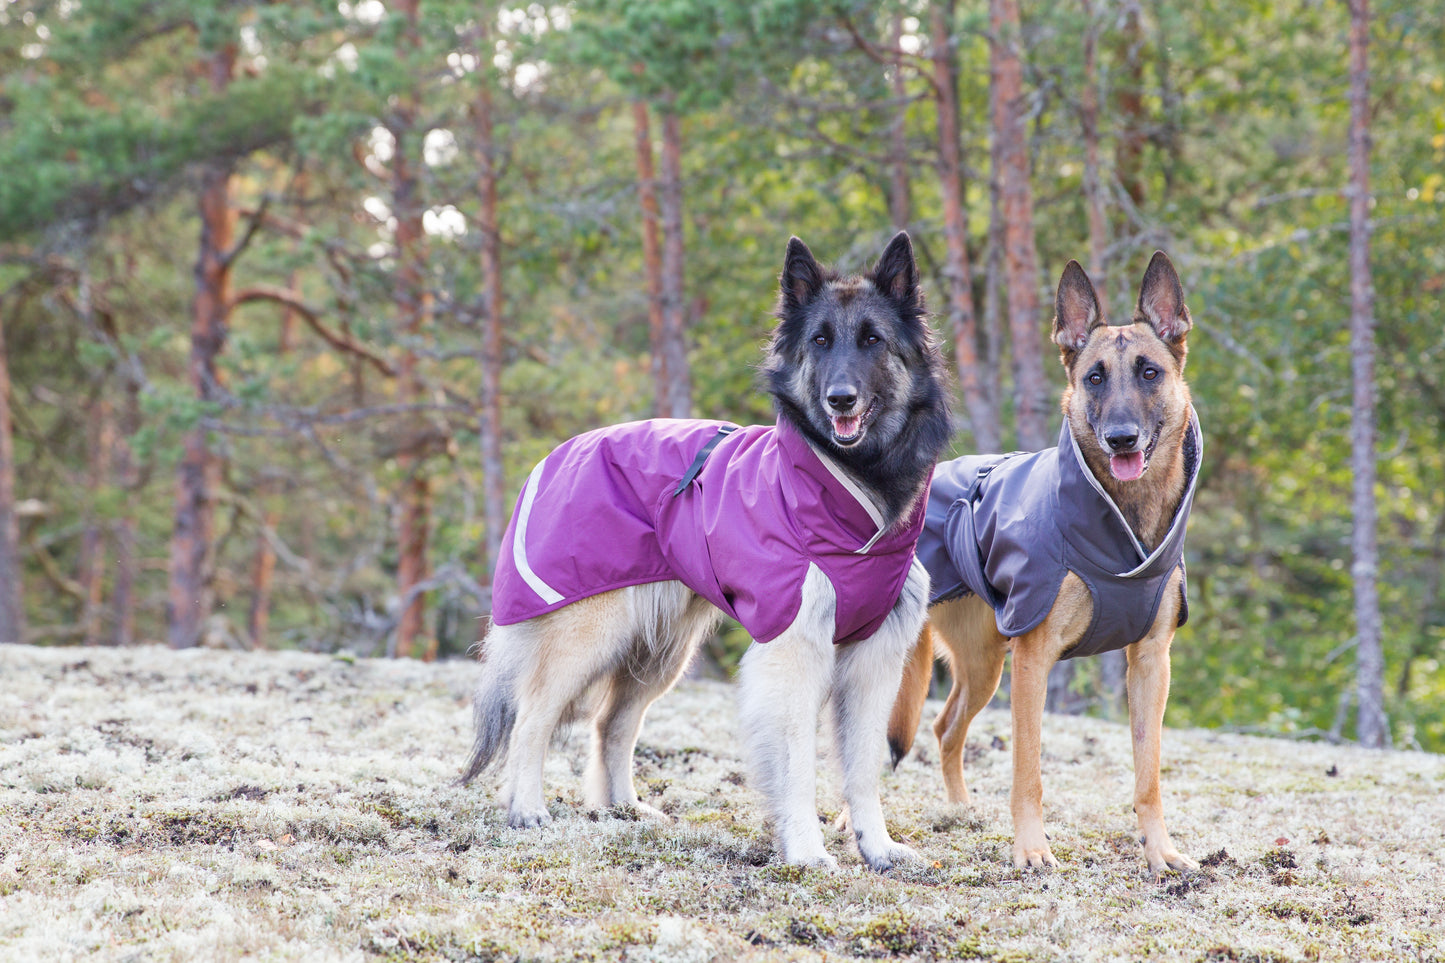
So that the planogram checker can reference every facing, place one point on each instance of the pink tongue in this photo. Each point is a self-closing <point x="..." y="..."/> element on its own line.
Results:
<point x="1127" y="467"/>
<point x="846" y="426"/>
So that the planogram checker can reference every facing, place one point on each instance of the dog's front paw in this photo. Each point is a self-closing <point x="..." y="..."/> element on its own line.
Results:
<point x="881" y="859"/>
<point x="1165" y="857"/>
<point x="1031" y="851"/>
<point x="520" y="817"/>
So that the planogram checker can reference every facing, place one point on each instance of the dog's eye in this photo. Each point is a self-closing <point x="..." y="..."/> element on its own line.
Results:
<point x="821" y="341"/>
<point x="871" y="339"/>
<point x="1150" y="373"/>
<point x="1096" y="378"/>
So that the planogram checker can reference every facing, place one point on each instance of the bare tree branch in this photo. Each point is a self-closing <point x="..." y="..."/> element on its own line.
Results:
<point x="292" y="300"/>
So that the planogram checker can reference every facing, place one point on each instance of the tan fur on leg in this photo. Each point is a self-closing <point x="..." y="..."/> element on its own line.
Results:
<point x="912" y="693"/>
<point x="1148" y="684"/>
<point x="975" y="652"/>
<point x="1033" y="655"/>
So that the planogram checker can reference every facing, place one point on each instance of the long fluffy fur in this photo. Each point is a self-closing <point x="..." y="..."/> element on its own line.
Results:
<point x="622" y="649"/>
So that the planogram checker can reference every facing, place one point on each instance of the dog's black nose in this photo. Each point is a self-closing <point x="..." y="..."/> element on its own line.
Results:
<point x="1121" y="439"/>
<point x="842" y="399"/>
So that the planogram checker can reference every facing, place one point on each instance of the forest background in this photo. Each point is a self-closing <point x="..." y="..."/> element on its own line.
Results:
<point x="292" y="296"/>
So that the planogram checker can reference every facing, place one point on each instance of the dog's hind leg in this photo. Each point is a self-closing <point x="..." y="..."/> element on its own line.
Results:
<point x="1148" y="684"/>
<point x="569" y="649"/>
<point x="864" y="682"/>
<point x="782" y="685"/>
<point x="680" y="621"/>
<point x="975" y="652"/>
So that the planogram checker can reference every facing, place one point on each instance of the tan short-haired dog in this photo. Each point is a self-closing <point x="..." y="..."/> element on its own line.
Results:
<point x="1070" y="551"/>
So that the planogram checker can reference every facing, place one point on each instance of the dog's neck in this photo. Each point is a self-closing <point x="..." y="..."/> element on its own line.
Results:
<point x="894" y="478"/>
<point x="1149" y="504"/>
<point x="893" y="485"/>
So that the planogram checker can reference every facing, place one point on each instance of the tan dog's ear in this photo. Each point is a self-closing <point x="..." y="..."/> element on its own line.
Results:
<point x="1076" y="312"/>
<point x="1161" y="301"/>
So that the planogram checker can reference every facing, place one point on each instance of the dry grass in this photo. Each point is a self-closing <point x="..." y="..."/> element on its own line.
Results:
<point x="213" y="805"/>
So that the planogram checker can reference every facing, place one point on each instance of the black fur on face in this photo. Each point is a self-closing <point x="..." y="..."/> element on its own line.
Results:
<point x="855" y="367"/>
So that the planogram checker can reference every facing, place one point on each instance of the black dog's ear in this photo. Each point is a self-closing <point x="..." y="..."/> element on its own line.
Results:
<point x="897" y="273"/>
<point x="1076" y="311"/>
<point x="1161" y="301"/>
<point x="802" y="278"/>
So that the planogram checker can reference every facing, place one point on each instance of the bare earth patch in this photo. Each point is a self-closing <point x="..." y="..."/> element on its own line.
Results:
<point x="214" y="805"/>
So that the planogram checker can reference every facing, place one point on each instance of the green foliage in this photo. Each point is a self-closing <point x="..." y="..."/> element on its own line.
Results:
<point x="786" y="127"/>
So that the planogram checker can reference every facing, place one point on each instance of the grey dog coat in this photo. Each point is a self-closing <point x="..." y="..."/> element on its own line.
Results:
<point x="1007" y="528"/>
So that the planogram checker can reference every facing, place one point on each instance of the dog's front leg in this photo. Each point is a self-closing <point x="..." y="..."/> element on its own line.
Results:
<point x="782" y="685"/>
<point x="1033" y="656"/>
<point x="1148" y="685"/>
<point x="864" y="684"/>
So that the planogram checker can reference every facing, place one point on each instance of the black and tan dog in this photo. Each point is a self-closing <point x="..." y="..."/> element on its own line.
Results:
<point x="1067" y="552"/>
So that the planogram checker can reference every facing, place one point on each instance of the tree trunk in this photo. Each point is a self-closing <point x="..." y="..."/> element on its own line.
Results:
<point x="651" y="252"/>
<point x="413" y="303"/>
<point x="494" y="505"/>
<point x="263" y="567"/>
<point x="1128" y="88"/>
<point x="100" y="438"/>
<point x="1113" y="666"/>
<point x="899" y="201"/>
<point x="411" y="635"/>
<point x="1020" y="257"/>
<point x="12" y="612"/>
<point x="1372" y="725"/>
<point x="1093" y="190"/>
<point x="189" y="595"/>
<point x="674" y="322"/>
<point x="993" y="286"/>
<point x="982" y="406"/>
<point x="122" y="598"/>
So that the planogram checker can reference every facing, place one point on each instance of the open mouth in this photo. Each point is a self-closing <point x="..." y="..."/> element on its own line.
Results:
<point x="1130" y="466"/>
<point x="848" y="430"/>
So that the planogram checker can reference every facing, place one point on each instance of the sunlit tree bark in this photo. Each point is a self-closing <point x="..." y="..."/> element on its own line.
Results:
<point x="980" y="403"/>
<point x="198" y="475"/>
<point x="1026" y="330"/>
<point x="674" y="305"/>
<point x="413" y="304"/>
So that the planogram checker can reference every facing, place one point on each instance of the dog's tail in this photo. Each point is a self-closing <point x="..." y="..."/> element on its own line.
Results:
<point x="912" y="691"/>
<point x="494" y="709"/>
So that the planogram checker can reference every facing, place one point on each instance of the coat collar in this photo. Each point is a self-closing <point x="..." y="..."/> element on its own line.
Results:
<point x="862" y="528"/>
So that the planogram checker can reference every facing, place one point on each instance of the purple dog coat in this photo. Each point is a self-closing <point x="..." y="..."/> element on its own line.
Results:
<point x="600" y="512"/>
<point x="1008" y="528"/>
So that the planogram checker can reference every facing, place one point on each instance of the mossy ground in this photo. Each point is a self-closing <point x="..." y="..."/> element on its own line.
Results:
<point x="214" y="805"/>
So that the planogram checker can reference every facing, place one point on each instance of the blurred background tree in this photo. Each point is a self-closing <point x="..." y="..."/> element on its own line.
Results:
<point x="293" y="296"/>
